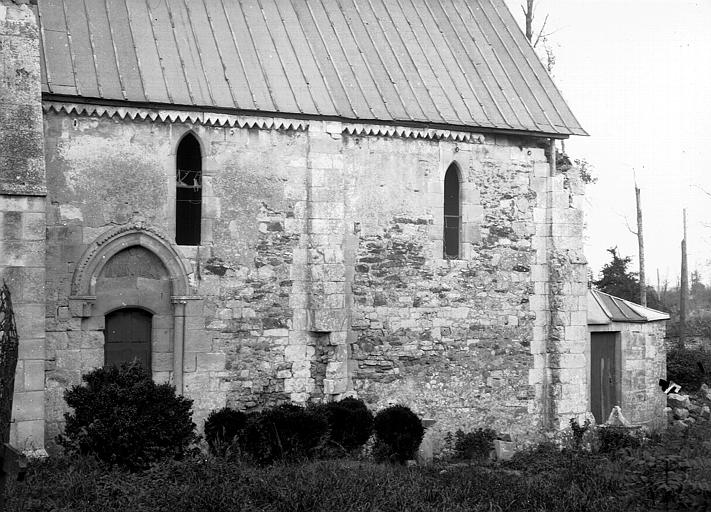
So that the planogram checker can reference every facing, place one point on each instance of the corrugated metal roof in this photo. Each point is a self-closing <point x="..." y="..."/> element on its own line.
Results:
<point x="604" y="308"/>
<point x="462" y="63"/>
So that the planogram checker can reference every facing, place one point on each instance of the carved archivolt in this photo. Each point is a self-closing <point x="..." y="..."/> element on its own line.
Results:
<point x="122" y="237"/>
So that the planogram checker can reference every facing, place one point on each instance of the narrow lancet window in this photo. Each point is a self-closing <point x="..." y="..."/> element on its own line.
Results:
<point x="452" y="213"/>
<point x="188" y="193"/>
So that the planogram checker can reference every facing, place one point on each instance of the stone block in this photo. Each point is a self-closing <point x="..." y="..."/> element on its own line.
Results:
<point x="28" y="405"/>
<point x="675" y="400"/>
<point x="162" y="362"/>
<point x="92" y="358"/>
<point x="325" y="320"/>
<point x="33" y="375"/>
<point x="189" y="362"/>
<point x="214" y="361"/>
<point x="28" y="435"/>
<point x="197" y="340"/>
<point x="335" y="386"/>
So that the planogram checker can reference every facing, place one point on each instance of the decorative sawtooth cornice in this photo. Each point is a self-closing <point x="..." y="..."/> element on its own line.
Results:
<point x="175" y="116"/>
<point x="410" y="132"/>
<point x="262" y="123"/>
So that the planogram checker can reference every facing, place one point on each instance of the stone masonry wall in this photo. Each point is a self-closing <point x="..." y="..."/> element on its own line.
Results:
<point x="465" y="341"/>
<point x="321" y="271"/>
<point x="22" y="207"/>
<point x="105" y="173"/>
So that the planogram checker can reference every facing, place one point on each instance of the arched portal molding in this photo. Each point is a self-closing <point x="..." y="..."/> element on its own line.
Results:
<point x="122" y="237"/>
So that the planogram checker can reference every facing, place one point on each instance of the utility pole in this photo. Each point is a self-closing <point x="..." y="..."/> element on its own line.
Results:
<point x="683" y="291"/>
<point x="640" y="242"/>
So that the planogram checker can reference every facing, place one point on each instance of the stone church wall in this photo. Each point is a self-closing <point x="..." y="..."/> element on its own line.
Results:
<point x="22" y="213"/>
<point x="321" y="269"/>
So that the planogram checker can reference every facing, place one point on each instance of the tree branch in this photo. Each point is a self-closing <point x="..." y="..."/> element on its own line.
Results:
<point x="540" y="33"/>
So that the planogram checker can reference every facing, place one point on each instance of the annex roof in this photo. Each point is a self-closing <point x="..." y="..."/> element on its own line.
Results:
<point x="604" y="309"/>
<point x="462" y="63"/>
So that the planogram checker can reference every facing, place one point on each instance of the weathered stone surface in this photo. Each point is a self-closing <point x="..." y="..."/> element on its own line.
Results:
<point x="675" y="400"/>
<point x="680" y="413"/>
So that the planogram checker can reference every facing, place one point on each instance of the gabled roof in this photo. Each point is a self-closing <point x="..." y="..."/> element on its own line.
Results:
<point x="604" y="309"/>
<point x="462" y="63"/>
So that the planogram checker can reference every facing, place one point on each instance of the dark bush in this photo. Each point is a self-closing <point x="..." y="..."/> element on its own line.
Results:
<point x="221" y="427"/>
<point x="613" y="438"/>
<point x="122" y="417"/>
<point x="689" y="368"/>
<point x="287" y="432"/>
<point x="350" y="423"/>
<point x="474" y="445"/>
<point x="398" y="434"/>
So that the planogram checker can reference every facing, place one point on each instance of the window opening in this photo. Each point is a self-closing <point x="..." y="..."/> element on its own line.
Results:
<point x="188" y="196"/>
<point x="452" y="213"/>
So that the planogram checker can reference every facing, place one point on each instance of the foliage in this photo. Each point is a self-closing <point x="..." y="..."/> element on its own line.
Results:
<point x="584" y="168"/>
<point x="474" y="445"/>
<point x="398" y="434"/>
<point x="614" y="438"/>
<point x="350" y="423"/>
<point x="215" y="483"/>
<point x="579" y="432"/>
<point x="673" y="473"/>
<point x="616" y="280"/>
<point x="689" y="368"/>
<point x="287" y="432"/>
<point x="221" y="427"/>
<point x="122" y="417"/>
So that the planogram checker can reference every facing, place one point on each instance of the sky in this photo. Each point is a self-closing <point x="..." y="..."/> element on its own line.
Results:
<point x="637" y="75"/>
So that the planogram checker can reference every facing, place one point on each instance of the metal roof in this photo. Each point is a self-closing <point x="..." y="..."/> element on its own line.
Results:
<point x="604" y="309"/>
<point x="462" y="63"/>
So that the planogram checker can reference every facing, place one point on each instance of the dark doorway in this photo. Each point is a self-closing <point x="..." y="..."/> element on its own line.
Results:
<point x="128" y="337"/>
<point x="604" y="374"/>
<point x="452" y="213"/>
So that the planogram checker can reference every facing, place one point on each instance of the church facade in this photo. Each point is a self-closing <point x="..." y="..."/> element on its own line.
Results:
<point x="292" y="201"/>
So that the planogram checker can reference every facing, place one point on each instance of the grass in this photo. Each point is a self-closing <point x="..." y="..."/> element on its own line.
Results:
<point x="207" y="484"/>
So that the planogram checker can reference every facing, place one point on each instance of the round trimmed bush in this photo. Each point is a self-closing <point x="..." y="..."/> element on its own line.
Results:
<point x="122" y="417"/>
<point x="287" y="432"/>
<point x="398" y="434"/>
<point x="221" y="427"/>
<point x="350" y="423"/>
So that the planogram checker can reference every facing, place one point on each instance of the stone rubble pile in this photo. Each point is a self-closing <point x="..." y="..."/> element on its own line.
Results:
<point x="685" y="410"/>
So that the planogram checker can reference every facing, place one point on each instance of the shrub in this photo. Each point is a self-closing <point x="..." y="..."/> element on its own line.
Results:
<point x="689" y="368"/>
<point x="286" y="432"/>
<point x="474" y="445"/>
<point x="613" y="438"/>
<point x="122" y="417"/>
<point x="221" y="427"/>
<point x="398" y="434"/>
<point x="350" y="423"/>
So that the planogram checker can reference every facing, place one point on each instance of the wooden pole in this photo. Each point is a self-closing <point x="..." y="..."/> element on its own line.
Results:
<point x="640" y="242"/>
<point x="683" y="291"/>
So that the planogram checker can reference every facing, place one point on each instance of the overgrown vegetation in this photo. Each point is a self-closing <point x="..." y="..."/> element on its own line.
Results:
<point x="476" y="445"/>
<point x="398" y="434"/>
<point x="598" y="468"/>
<point x="122" y="417"/>
<point x="689" y="368"/>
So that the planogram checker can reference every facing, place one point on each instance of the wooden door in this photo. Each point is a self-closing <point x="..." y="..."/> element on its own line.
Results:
<point x="604" y="374"/>
<point x="128" y="337"/>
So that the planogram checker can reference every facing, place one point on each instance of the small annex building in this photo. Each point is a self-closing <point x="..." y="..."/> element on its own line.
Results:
<point x="273" y="200"/>
<point x="627" y="358"/>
